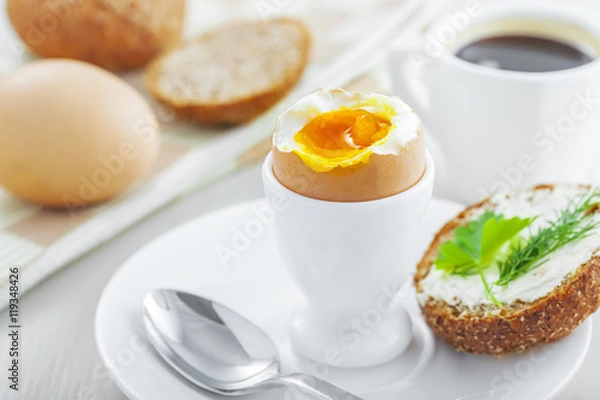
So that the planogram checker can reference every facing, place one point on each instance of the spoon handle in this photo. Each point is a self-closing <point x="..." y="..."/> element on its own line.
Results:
<point x="316" y="387"/>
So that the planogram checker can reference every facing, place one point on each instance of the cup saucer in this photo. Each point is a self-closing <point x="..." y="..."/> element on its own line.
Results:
<point x="231" y="256"/>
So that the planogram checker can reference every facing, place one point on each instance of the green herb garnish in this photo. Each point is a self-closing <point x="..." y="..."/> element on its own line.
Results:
<point x="476" y="245"/>
<point x="483" y="242"/>
<point x="478" y="242"/>
<point x="571" y="225"/>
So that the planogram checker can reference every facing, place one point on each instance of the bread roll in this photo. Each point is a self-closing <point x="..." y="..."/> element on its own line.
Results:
<point x="113" y="34"/>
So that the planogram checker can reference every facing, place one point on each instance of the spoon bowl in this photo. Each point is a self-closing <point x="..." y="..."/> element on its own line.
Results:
<point x="219" y="350"/>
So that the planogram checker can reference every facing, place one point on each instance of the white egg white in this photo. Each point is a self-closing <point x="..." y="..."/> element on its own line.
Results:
<point x="405" y="123"/>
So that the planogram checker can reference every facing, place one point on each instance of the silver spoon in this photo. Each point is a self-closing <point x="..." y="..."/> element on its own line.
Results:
<point x="219" y="350"/>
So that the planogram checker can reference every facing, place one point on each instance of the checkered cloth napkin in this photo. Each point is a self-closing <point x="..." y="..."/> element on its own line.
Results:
<point x="40" y="241"/>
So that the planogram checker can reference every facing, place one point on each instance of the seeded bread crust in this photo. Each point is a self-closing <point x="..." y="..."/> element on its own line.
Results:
<point x="517" y="327"/>
<point x="235" y="109"/>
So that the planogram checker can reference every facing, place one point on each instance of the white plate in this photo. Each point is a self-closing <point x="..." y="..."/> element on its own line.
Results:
<point x="256" y="285"/>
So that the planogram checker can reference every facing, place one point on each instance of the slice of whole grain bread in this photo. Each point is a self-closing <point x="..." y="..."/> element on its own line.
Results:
<point x="513" y="327"/>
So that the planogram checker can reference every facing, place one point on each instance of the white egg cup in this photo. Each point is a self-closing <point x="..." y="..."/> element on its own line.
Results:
<point x="349" y="261"/>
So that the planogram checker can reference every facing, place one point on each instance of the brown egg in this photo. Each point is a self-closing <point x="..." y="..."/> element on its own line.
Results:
<point x="340" y="146"/>
<point x="72" y="134"/>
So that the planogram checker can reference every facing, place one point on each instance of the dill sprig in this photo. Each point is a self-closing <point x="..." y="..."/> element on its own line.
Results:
<point x="571" y="225"/>
<point x="493" y="240"/>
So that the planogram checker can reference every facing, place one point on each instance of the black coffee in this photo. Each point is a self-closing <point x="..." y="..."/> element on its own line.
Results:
<point x="523" y="53"/>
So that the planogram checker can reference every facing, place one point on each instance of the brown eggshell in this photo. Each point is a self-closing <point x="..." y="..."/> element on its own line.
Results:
<point x="382" y="176"/>
<point x="72" y="134"/>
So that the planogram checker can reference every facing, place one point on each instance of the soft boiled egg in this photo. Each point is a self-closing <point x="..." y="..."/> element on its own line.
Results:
<point x="340" y="146"/>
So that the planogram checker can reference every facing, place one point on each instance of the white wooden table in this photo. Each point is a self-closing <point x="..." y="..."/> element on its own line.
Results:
<point x="59" y="357"/>
<point x="59" y="360"/>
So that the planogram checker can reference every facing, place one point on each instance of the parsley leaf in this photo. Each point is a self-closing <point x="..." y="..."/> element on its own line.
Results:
<point x="476" y="245"/>
<point x="460" y="256"/>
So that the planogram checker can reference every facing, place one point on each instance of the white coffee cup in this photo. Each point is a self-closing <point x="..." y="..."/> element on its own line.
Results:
<point x="349" y="261"/>
<point x="503" y="129"/>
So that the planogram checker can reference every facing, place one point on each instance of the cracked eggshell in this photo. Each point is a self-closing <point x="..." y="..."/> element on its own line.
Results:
<point x="394" y="165"/>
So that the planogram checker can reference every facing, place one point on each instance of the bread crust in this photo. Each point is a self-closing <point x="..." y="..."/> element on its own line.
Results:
<point x="113" y="34"/>
<point x="234" y="111"/>
<point x="520" y="326"/>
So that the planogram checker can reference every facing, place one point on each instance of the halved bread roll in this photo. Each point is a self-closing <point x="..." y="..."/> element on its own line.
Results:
<point x="542" y="306"/>
<point x="232" y="74"/>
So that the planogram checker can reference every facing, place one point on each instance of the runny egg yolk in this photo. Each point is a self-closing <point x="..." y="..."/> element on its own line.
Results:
<point x="340" y="138"/>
